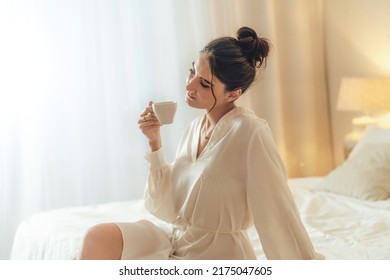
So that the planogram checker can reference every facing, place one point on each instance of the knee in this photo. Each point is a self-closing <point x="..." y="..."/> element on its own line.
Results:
<point x="101" y="239"/>
<point x="98" y="233"/>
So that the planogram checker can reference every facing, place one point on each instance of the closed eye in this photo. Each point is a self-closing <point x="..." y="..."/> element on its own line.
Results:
<point x="204" y="83"/>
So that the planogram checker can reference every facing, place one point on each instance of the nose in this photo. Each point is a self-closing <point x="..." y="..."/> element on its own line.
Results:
<point x="190" y="83"/>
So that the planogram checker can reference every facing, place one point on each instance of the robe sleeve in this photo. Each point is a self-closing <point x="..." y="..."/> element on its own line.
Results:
<point x="275" y="215"/>
<point x="159" y="196"/>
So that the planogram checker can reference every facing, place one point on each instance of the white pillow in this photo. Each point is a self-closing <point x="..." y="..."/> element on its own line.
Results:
<point x="373" y="134"/>
<point x="365" y="174"/>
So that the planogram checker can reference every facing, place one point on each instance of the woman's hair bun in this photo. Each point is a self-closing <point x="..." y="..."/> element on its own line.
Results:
<point x="254" y="48"/>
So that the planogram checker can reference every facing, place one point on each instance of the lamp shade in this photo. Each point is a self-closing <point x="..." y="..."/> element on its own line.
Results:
<point x="364" y="95"/>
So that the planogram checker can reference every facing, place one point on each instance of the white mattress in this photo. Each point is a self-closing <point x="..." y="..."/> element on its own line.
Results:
<point x="340" y="227"/>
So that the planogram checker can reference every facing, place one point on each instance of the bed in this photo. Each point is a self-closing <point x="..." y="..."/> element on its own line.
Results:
<point x="346" y="213"/>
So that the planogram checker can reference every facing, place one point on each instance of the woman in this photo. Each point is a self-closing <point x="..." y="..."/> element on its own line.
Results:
<point x="227" y="174"/>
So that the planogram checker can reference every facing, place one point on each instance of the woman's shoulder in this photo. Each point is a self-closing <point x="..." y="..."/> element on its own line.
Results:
<point x="255" y="129"/>
<point x="248" y="126"/>
<point x="247" y="119"/>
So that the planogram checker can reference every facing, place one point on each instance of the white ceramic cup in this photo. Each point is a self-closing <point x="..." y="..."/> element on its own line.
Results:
<point x="165" y="111"/>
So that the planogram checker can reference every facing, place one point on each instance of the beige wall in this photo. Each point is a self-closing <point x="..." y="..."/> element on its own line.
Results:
<point x="357" y="38"/>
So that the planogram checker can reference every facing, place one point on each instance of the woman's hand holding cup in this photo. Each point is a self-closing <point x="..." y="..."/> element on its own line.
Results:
<point x="150" y="127"/>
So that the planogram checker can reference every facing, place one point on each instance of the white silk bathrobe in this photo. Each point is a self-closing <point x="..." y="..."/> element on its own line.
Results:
<point x="211" y="200"/>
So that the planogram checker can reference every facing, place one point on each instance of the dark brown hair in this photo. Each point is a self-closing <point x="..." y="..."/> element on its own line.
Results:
<point x="234" y="60"/>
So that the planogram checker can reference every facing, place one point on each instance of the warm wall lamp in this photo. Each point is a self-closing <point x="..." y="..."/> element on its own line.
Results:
<point x="365" y="95"/>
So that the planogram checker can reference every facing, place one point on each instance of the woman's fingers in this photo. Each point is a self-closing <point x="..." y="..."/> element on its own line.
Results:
<point x="148" y="110"/>
<point x="148" y="122"/>
<point x="147" y="117"/>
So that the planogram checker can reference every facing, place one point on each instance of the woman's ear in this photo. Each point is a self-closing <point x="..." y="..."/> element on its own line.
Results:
<point x="234" y="95"/>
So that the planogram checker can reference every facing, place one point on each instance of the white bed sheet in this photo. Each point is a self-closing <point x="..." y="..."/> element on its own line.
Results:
<point x="340" y="227"/>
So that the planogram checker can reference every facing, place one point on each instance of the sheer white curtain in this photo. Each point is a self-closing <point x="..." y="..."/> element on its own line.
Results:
<point x="74" y="76"/>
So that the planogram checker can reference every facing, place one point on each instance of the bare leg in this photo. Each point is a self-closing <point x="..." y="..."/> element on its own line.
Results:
<point x="102" y="242"/>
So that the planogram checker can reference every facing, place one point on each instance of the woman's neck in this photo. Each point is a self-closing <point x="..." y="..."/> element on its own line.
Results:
<point x="217" y="113"/>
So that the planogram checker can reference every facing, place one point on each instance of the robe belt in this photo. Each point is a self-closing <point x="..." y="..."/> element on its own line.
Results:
<point x="182" y="224"/>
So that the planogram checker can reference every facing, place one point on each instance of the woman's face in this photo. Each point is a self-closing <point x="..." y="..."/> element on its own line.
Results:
<point x="199" y="84"/>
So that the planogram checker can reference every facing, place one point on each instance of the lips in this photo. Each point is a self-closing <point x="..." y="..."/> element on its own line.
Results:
<point x="190" y="96"/>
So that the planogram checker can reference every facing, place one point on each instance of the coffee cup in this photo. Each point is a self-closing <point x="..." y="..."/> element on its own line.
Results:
<point x="165" y="111"/>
